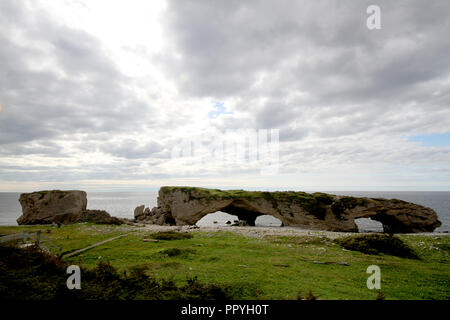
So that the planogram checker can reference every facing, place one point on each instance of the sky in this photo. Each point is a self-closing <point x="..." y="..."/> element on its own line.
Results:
<point x="96" y="95"/>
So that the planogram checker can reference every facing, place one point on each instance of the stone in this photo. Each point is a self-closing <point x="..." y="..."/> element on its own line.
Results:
<point x="46" y="207"/>
<point x="240" y="223"/>
<point x="139" y="212"/>
<point x="60" y="207"/>
<point x="98" y="217"/>
<point x="319" y="211"/>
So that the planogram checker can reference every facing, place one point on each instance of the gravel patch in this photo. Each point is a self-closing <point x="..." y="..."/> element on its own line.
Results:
<point x="261" y="232"/>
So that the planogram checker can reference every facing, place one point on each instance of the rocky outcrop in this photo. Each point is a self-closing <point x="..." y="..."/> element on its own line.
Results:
<point x="98" y="217"/>
<point x="154" y="216"/>
<point x="187" y="205"/>
<point x="43" y="207"/>
<point x="56" y="206"/>
<point x="139" y="212"/>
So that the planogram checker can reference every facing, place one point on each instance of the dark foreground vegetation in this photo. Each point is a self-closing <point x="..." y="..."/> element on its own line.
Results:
<point x="378" y="243"/>
<point x="30" y="274"/>
<point x="170" y="235"/>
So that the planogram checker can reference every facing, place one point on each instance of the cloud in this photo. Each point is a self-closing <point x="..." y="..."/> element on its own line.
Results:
<point x="57" y="82"/>
<point x="303" y="59"/>
<point x="79" y="103"/>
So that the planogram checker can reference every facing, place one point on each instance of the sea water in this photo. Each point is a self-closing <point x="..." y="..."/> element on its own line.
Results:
<point x="122" y="204"/>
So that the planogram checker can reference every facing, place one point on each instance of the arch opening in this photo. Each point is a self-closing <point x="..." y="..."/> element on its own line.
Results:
<point x="366" y="225"/>
<point x="218" y="218"/>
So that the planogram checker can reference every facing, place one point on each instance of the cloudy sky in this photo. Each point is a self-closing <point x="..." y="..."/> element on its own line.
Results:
<point x="96" y="95"/>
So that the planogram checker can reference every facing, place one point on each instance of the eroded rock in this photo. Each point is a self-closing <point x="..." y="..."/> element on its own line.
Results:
<point x="56" y="206"/>
<point x="98" y="217"/>
<point x="138" y="212"/>
<point x="44" y="207"/>
<point x="187" y="205"/>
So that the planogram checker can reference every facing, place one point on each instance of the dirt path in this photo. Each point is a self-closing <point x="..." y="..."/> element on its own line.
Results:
<point x="93" y="245"/>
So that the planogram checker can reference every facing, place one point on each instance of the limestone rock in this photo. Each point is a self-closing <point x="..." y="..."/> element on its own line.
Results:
<point x="56" y="206"/>
<point x="98" y="217"/>
<point x="44" y="207"/>
<point x="187" y="205"/>
<point x="138" y="212"/>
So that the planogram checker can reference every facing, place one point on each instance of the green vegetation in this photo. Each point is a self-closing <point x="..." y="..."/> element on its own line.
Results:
<point x="30" y="274"/>
<point x="314" y="203"/>
<point x="376" y="244"/>
<point x="275" y="267"/>
<point x="170" y="235"/>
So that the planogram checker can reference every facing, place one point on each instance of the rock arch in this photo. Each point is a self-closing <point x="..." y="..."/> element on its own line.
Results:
<point x="187" y="205"/>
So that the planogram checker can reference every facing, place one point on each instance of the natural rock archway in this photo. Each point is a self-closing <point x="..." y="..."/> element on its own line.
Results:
<point x="187" y="205"/>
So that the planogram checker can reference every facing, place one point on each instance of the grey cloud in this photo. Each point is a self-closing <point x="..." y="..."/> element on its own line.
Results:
<point x="310" y="68"/>
<point x="132" y="149"/>
<point x="82" y="92"/>
<point x="321" y="48"/>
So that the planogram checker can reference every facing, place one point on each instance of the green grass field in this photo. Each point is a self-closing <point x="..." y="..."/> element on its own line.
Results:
<point x="276" y="267"/>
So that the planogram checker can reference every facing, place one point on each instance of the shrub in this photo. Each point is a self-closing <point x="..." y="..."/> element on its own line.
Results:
<point x="171" y="235"/>
<point x="380" y="296"/>
<point x="30" y="274"/>
<point x="376" y="244"/>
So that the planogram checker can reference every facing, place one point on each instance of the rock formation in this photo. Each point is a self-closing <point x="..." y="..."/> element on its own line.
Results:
<point x="139" y="212"/>
<point x="56" y="206"/>
<point x="99" y="217"/>
<point x="187" y="205"/>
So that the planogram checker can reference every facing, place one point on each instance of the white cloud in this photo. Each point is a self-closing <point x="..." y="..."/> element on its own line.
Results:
<point x="95" y="91"/>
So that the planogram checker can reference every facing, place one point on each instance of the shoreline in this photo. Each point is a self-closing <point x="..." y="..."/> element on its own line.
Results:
<point x="250" y="231"/>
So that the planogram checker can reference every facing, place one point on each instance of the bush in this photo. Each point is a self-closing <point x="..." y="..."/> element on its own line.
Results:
<point x="30" y="274"/>
<point x="376" y="244"/>
<point x="171" y="235"/>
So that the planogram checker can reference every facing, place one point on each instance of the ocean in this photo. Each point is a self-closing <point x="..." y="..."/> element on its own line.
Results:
<point x="122" y="204"/>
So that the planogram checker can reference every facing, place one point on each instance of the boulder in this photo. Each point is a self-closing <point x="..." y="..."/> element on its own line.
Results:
<point x="98" y="217"/>
<point x="320" y="211"/>
<point x="46" y="207"/>
<point x="56" y="206"/>
<point x="138" y="212"/>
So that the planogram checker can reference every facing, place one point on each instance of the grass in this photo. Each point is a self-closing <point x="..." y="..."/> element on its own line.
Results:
<point x="276" y="267"/>
<point x="30" y="274"/>
<point x="176" y="252"/>
<point x="73" y="236"/>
